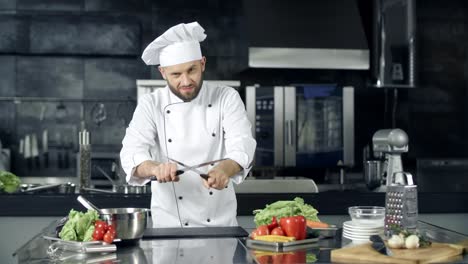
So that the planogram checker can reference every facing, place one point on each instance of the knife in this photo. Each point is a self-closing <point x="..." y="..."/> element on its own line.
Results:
<point x="379" y="245"/>
<point x="186" y="167"/>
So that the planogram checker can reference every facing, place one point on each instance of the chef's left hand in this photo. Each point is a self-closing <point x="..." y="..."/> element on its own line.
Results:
<point x="218" y="177"/>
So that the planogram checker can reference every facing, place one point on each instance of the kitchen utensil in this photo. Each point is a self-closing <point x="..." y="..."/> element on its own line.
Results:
<point x="130" y="223"/>
<point x="27" y="151"/>
<point x="32" y="188"/>
<point x="84" y="162"/>
<point x="379" y="245"/>
<point x="35" y="151"/>
<point x="389" y="144"/>
<point x="282" y="246"/>
<point x="99" y="113"/>
<point x="96" y="190"/>
<point x="45" y="147"/>
<point x="21" y="148"/>
<point x="401" y="203"/>
<point x="192" y="168"/>
<point x="87" y="204"/>
<point x="436" y="253"/>
<point x="67" y="188"/>
<point x="131" y="189"/>
<point x="373" y="173"/>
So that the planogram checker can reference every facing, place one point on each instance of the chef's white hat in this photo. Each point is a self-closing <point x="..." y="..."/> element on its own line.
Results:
<point x="179" y="44"/>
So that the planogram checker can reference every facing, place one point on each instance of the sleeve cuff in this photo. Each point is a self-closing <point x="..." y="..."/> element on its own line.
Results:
<point x="243" y="160"/>
<point x="137" y="160"/>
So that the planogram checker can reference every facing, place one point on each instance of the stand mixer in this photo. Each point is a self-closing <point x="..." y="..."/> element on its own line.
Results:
<point x="389" y="144"/>
<point x="401" y="199"/>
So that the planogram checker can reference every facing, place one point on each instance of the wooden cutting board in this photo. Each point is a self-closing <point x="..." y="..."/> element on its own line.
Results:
<point x="437" y="252"/>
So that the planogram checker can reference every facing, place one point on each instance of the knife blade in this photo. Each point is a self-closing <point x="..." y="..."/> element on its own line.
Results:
<point x="379" y="245"/>
<point x="186" y="167"/>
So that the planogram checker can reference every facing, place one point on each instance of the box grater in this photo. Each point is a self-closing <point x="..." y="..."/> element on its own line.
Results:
<point x="401" y="204"/>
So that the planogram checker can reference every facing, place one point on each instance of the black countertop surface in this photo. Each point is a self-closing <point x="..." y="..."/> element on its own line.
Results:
<point x="333" y="202"/>
<point x="208" y="250"/>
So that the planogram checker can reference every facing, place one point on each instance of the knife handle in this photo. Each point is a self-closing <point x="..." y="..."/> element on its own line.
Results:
<point x="204" y="176"/>
<point x="178" y="172"/>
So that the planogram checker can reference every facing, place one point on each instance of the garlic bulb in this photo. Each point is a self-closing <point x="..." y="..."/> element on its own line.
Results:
<point x="396" y="241"/>
<point x="412" y="241"/>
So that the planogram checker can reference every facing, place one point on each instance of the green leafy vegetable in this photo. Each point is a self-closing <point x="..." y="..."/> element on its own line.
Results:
<point x="88" y="236"/>
<point x="284" y="209"/>
<point x="78" y="225"/>
<point x="10" y="182"/>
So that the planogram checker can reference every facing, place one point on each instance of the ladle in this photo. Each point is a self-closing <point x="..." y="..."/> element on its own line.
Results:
<point x="87" y="204"/>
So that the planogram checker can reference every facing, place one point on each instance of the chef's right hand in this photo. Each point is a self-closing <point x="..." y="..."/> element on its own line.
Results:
<point x="164" y="172"/>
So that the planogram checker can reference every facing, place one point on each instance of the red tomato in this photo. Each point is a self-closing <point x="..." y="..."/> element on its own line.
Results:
<point x="263" y="230"/>
<point x="101" y="224"/>
<point x="98" y="233"/>
<point x="109" y="237"/>
<point x="277" y="231"/>
<point x="273" y="223"/>
<point x="111" y="229"/>
<point x="294" y="226"/>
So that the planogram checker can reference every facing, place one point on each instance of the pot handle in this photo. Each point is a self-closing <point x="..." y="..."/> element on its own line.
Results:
<point x="87" y="204"/>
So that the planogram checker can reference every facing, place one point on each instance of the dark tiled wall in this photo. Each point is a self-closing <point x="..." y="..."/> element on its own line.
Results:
<point x="90" y="49"/>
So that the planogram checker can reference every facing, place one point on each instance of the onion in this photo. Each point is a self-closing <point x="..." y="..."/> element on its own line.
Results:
<point x="412" y="241"/>
<point x="396" y="242"/>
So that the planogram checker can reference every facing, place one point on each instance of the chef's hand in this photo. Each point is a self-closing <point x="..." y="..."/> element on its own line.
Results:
<point x="162" y="172"/>
<point x="165" y="172"/>
<point x="218" y="177"/>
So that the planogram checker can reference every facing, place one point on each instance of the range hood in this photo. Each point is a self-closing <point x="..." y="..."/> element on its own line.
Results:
<point x="305" y="34"/>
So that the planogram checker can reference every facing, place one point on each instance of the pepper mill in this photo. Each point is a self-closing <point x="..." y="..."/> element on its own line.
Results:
<point x="84" y="168"/>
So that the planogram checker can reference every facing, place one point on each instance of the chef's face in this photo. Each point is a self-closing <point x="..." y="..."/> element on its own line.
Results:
<point x="185" y="79"/>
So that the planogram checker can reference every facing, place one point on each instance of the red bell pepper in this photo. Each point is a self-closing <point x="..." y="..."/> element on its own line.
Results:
<point x="294" y="226"/>
<point x="273" y="224"/>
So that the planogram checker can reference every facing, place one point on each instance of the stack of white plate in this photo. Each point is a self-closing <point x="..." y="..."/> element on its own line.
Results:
<point x="360" y="233"/>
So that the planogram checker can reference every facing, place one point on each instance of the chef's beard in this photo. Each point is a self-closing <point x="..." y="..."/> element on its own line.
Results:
<point x="188" y="97"/>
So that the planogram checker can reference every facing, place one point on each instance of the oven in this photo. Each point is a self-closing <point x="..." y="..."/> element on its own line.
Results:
<point x="302" y="126"/>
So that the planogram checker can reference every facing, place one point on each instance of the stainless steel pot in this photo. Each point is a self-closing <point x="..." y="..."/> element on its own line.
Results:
<point x="131" y="189"/>
<point x="67" y="188"/>
<point x="130" y="223"/>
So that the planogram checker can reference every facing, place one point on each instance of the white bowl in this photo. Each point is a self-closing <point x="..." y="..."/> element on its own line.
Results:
<point x="367" y="215"/>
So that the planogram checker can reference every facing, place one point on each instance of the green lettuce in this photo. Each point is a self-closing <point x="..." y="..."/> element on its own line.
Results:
<point x="78" y="225"/>
<point x="10" y="182"/>
<point x="88" y="236"/>
<point x="282" y="209"/>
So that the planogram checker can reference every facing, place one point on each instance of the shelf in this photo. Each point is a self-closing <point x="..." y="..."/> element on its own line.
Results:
<point x="19" y="99"/>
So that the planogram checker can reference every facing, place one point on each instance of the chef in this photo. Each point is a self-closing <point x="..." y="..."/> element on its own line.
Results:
<point x="192" y="122"/>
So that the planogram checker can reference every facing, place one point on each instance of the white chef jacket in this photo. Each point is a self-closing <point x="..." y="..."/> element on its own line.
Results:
<point x="212" y="126"/>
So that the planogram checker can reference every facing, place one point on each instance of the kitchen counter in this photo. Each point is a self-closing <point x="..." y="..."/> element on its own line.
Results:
<point x="331" y="203"/>
<point x="203" y="250"/>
